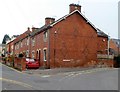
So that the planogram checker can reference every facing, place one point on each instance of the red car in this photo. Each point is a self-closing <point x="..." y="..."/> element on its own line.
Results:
<point x="32" y="63"/>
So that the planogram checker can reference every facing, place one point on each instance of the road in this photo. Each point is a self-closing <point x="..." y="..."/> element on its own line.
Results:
<point x="95" y="79"/>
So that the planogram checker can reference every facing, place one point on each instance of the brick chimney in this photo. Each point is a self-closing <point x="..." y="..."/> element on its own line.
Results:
<point x="49" y="20"/>
<point x="28" y="29"/>
<point x="73" y="7"/>
<point x="33" y="29"/>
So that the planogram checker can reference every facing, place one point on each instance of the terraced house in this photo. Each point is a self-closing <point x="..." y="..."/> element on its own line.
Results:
<point x="22" y="44"/>
<point x="70" y="41"/>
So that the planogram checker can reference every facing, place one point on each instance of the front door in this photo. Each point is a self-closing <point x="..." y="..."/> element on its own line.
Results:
<point x="39" y="55"/>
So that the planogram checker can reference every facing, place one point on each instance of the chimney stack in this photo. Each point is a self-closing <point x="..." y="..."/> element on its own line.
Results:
<point x="49" y="20"/>
<point x="74" y="7"/>
<point x="34" y="28"/>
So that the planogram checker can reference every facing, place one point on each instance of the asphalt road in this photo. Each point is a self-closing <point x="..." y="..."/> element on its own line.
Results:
<point x="94" y="79"/>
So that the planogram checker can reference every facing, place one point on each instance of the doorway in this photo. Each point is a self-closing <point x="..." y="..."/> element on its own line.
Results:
<point x="39" y="57"/>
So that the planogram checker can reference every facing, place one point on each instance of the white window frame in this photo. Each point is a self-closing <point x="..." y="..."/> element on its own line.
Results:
<point x="33" y="41"/>
<point x="33" y="54"/>
<point x="27" y="53"/>
<point x="27" y="41"/>
<point x="45" y="54"/>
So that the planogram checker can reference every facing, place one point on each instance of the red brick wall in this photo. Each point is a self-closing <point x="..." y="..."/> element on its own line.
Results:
<point x="9" y="47"/>
<point x="114" y="46"/>
<point x="23" y="37"/>
<point x="39" y="46"/>
<point x="20" y="63"/>
<point x="24" y="47"/>
<point x="102" y="45"/>
<point x="75" y="40"/>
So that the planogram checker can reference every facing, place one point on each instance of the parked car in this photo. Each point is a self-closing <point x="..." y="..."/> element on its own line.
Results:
<point x="32" y="63"/>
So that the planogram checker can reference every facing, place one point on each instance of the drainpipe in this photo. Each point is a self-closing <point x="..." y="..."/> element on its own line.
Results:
<point x="49" y="49"/>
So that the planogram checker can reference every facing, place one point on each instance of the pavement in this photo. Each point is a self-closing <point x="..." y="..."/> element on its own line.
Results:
<point x="56" y="70"/>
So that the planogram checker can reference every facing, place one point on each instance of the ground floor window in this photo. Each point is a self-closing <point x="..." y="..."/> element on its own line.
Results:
<point x="33" y="54"/>
<point x="45" y="54"/>
<point x="27" y="53"/>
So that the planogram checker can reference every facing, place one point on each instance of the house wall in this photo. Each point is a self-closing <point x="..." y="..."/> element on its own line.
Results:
<point x="20" y="43"/>
<point x="114" y="46"/>
<point x="38" y="48"/>
<point x="21" y="49"/>
<point x="102" y="45"/>
<point x="74" y="43"/>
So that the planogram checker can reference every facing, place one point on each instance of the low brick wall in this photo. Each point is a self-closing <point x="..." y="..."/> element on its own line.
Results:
<point x="9" y="61"/>
<point x="100" y="63"/>
<point x="20" y="63"/>
<point x="106" y="62"/>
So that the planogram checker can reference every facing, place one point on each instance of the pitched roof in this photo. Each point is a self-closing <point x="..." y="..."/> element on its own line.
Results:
<point x="101" y="33"/>
<point x="116" y="41"/>
<point x="22" y="36"/>
<point x="64" y="17"/>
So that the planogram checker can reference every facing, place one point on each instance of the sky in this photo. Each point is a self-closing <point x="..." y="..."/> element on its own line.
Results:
<point x="17" y="15"/>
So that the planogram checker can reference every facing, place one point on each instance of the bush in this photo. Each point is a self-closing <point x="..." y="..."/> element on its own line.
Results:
<point x="117" y="61"/>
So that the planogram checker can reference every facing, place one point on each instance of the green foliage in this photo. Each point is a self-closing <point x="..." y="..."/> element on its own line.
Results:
<point x="6" y="37"/>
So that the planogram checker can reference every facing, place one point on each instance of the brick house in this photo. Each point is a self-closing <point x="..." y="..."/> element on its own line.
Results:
<point x="70" y="41"/>
<point x="10" y="45"/>
<point x="102" y="43"/>
<point x="22" y="44"/>
<point x="114" y="46"/>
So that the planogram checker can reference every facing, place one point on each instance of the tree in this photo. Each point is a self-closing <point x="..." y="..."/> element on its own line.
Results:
<point x="6" y="37"/>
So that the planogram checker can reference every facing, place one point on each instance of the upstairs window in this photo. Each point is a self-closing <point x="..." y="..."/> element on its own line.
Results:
<point x="21" y="44"/>
<point x="33" y="41"/>
<point x="45" y="36"/>
<point x="27" y="41"/>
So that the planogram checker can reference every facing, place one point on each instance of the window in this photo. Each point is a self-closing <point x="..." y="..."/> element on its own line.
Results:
<point x="33" y="41"/>
<point x="18" y="46"/>
<point x="27" y="53"/>
<point x="15" y="46"/>
<point x="45" y="54"/>
<point x="12" y="47"/>
<point x="21" y="44"/>
<point x="45" y="36"/>
<point x="27" y="41"/>
<point x="33" y="54"/>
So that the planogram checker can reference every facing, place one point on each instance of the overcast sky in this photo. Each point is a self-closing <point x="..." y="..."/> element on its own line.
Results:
<point x="17" y="15"/>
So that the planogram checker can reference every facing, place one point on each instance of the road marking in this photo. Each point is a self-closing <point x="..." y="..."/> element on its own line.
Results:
<point x="12" y="68"/>
<point x="45" y="76"/>
<point x="74" y="74"/>
<point x="16" y="82"/>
